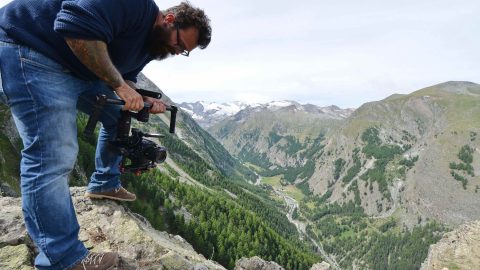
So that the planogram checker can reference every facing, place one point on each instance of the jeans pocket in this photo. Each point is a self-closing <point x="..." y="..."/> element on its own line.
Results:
<point x="37" y="60"/>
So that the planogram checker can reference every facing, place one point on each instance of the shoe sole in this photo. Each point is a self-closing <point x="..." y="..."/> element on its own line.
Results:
<point x="94" y="196"/>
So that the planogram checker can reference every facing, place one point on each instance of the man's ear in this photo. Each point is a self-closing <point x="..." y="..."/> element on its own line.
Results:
<point x="169" y="18"/>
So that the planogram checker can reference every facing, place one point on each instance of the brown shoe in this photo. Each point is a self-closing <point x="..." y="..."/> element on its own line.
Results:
<point x="98" y="261"/>
<point x="119" y="194"/>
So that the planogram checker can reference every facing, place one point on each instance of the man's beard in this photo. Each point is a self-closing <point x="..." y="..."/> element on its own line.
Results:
<point x="158" y="43"/>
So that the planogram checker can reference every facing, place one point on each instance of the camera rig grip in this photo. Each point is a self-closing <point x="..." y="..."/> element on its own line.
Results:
<point x="142" y="115"/>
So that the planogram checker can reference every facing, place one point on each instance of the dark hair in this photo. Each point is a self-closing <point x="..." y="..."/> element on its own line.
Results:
<point x="186" y="16"/>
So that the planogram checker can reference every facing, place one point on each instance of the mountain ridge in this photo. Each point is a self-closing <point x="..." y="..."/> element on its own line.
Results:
<point x="208" y="114"/>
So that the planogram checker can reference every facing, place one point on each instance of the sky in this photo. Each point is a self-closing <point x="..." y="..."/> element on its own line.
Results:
<point x="324" y="52"/>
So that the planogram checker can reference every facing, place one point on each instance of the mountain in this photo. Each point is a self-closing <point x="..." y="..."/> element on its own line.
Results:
<point x="395" y="173"/>
<point x="410" y="155"/>
<point x="196" y="138"/>
<point x="207" y="114"/>
<point x="278" y="135"/>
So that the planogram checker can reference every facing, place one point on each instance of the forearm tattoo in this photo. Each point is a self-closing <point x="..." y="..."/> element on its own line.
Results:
<point x="94" y="55"/>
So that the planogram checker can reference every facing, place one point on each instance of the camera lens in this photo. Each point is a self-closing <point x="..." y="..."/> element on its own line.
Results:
<point x="161" y="154"/>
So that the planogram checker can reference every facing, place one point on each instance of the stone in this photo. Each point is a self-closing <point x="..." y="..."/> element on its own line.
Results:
<point x="256" y="263"/>
<point x="15" y="258"/>
<point x="321" y="266"/>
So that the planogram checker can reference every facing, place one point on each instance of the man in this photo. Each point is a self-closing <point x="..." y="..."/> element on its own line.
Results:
<point x="55" y="57"/>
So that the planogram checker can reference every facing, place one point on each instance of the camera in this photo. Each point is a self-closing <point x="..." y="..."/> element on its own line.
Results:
<point x="139" y="154"/>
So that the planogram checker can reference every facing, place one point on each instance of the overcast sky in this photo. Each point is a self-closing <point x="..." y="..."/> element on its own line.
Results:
<point x="342" y="52"/>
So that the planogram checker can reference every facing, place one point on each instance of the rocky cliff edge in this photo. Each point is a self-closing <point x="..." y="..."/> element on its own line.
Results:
<point x="458" y="249"/>
<point x="105" y="226"/>
<point x="108" y="226"/>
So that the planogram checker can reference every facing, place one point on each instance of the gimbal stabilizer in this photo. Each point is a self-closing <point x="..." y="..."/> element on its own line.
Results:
<point x="139" y="154"/>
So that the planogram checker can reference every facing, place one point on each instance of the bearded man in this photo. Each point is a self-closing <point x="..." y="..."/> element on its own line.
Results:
<point x="56" y="56"/>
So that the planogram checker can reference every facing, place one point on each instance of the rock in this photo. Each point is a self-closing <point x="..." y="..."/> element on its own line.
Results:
<point x="7" y="191"/>
<point x="12" y="228"/>
<point x="256" y="263"/>
<point x="459" y="249"/>
<point x="104" y="226"/>
<point x="321" y="266"/>
<point x="173" y="261"/>
<point x="15" y="258"/>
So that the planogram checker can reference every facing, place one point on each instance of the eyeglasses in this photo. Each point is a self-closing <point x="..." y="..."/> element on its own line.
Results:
<point x="184" y="51"/>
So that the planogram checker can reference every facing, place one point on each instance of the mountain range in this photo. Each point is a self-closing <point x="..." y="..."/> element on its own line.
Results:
<point x="207" y="114"/>
<point x="426" y="130"/>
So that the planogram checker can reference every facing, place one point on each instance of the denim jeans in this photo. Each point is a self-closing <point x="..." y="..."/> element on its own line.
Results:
<point x="43" y="98"/>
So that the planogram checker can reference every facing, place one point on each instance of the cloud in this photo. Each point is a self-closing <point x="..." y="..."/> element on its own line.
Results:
<point x="324" y="52"/>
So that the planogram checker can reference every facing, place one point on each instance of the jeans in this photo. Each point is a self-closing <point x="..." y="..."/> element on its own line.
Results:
<point x="43" y="98"/>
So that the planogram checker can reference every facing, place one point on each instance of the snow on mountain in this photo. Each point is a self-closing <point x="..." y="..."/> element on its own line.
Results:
<point x="210" y="113"/>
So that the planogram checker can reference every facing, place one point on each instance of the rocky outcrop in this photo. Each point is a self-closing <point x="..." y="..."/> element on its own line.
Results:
<point x="321" y="266"/>
<point x="105" y="225"/>
<point x="459" y="249"/>
<point x="256" y="263"/>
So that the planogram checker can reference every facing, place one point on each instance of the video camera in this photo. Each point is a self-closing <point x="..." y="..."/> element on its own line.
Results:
<point x="139" y="154"/>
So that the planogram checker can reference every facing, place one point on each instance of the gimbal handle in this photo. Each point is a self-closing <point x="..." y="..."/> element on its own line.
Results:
<point x="172" y="108"/>
<point x="102" y="100"/>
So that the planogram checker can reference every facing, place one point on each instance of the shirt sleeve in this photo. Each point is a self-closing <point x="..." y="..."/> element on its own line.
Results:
<point x="97" y="19"/>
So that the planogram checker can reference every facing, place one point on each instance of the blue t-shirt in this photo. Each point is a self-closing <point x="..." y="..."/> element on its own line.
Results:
<point x="124" y="25"/>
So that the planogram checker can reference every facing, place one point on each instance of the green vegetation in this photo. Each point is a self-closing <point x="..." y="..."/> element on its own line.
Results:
<point x="221" y="229"/>
<point x="290" y="174"/>
<point x="222" y="160"/>
<point x="383" y="154"/>
<point x="466" y="154"/>
<point x="339" y="164"/>
<point x="473" y="136"/>
<point x="458" y="170"/>
<point x="406" y="136"/>
<point x="460" y="178"/>
<point x="9" y="155"/>
<point x="313" y="148"/>
<point x="273" y="138"/>
<point x="305" y="188"/>
<point x="409" y="163"/>
<point x="253" y="157"/>
<point x="355" y="169"/>
<point x="354" y="238"/>
<point x="292" y="145"/>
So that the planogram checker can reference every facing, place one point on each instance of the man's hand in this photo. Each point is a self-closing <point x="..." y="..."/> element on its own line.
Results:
<point x="158" y="106"/>
<point x="133" y="100"/>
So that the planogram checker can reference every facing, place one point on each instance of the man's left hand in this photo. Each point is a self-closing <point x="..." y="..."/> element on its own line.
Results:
<point x="158" y="106"/>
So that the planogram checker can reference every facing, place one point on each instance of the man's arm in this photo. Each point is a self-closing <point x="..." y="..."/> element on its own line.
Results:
<point x="94" y="55"/>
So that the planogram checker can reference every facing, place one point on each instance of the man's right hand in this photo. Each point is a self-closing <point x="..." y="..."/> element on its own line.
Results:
<point x="133" y="100"/>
